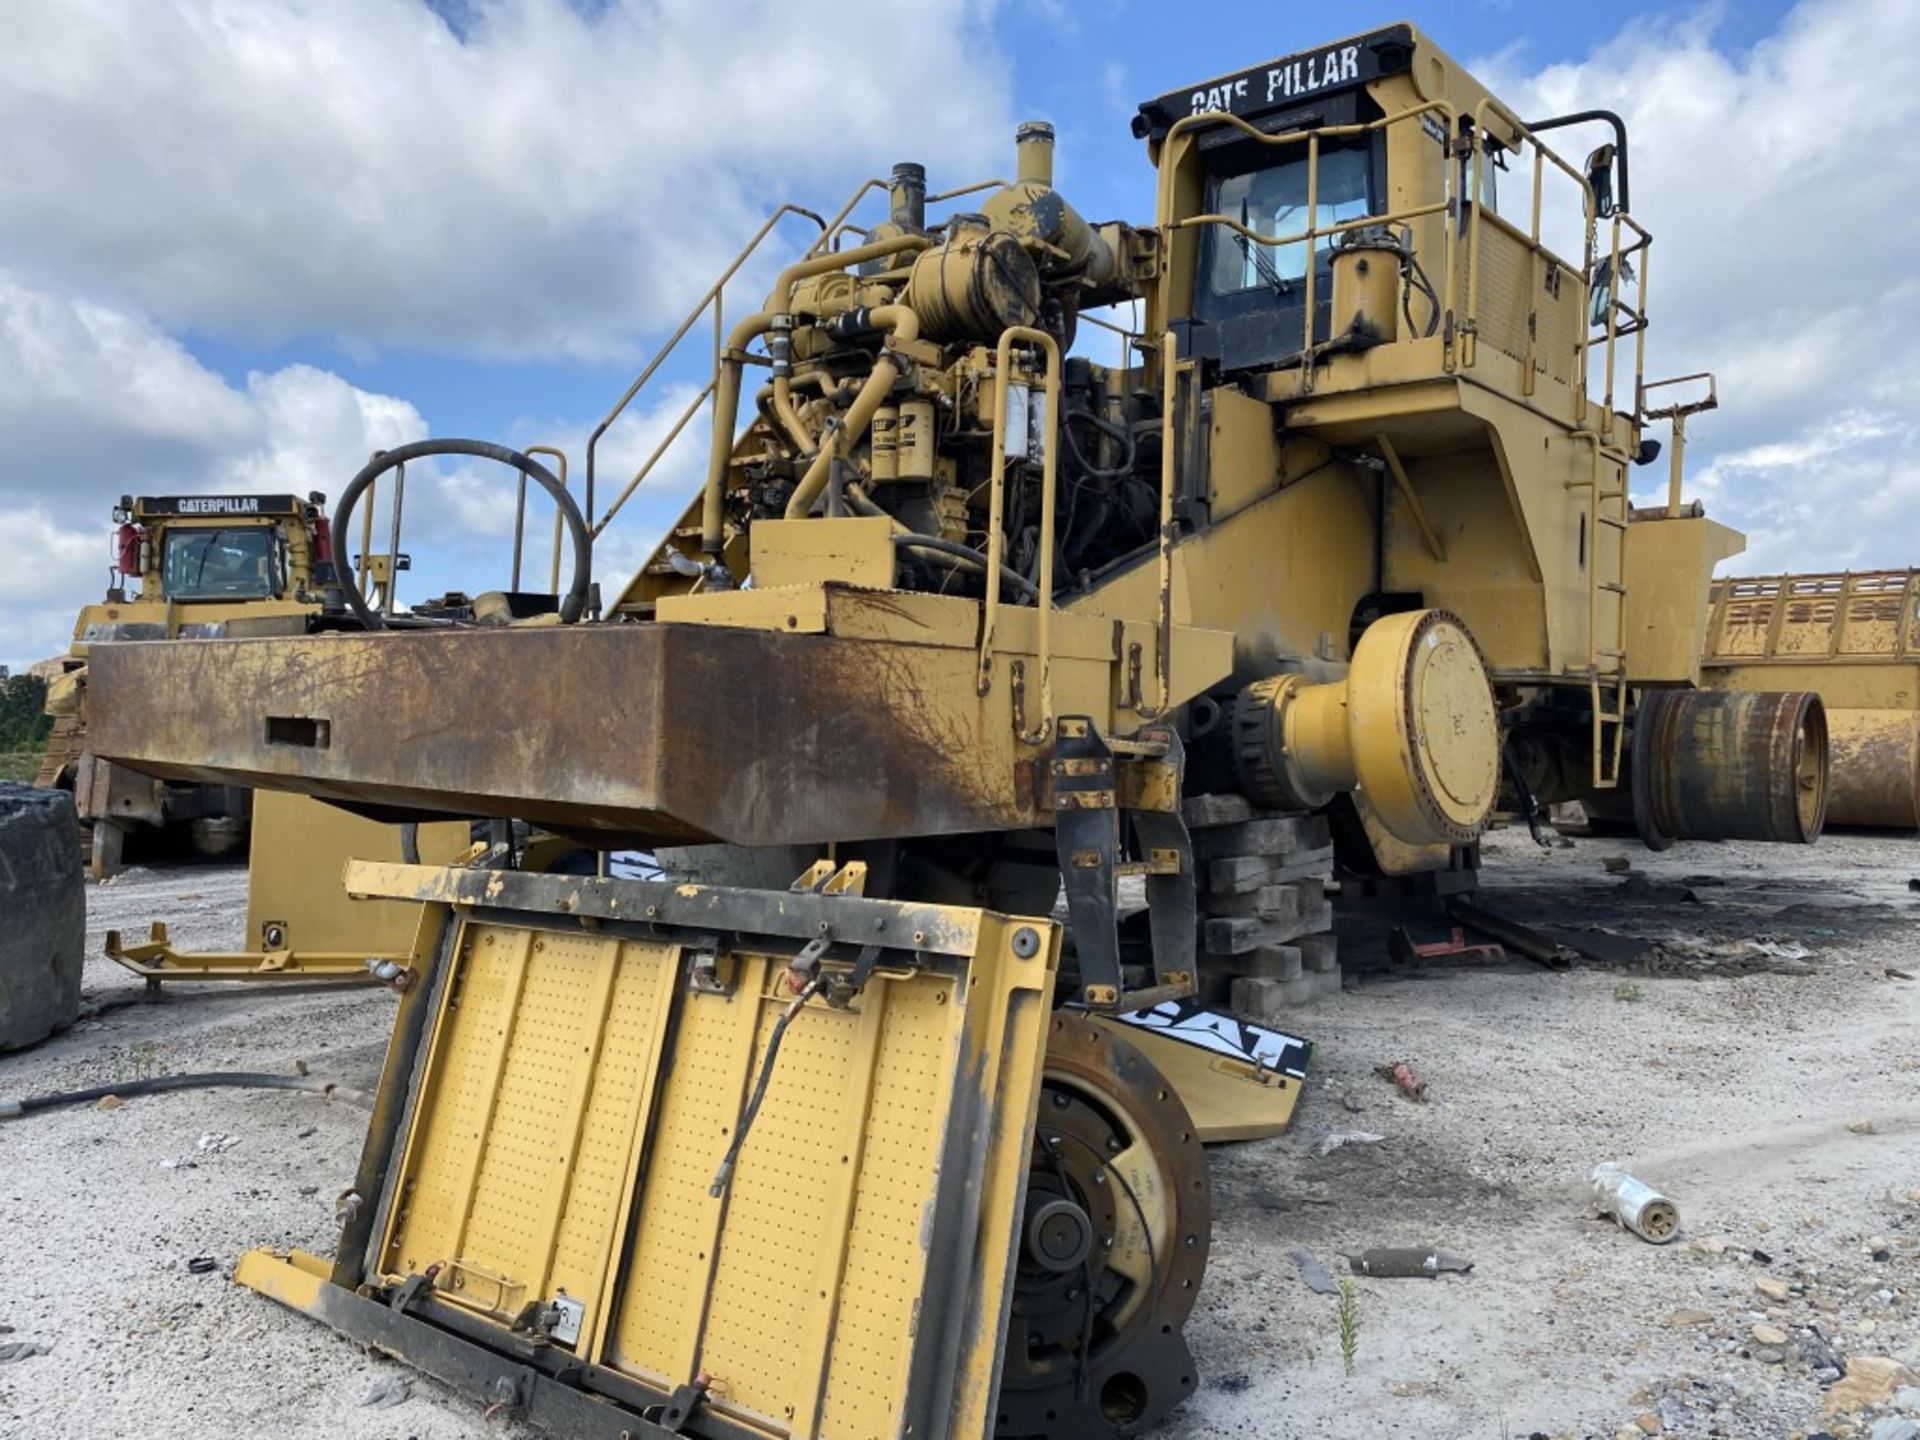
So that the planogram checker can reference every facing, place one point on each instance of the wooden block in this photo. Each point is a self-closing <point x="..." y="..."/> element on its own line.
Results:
<point x="1238" y="874"/>
<point x="1273" y="962"/>
<point x="1269" y="1002"/>
<point x="1269" y="902"/>
<point x="1204" y="811"/>
<point x="1237" y="934"/>
<point x="1278" y="837"/>
<point x="1319" y="952"/>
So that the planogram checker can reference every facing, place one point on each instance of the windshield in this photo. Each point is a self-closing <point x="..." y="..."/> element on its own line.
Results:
<point x="1274" y="202"/>
<point x="219" y="564"/>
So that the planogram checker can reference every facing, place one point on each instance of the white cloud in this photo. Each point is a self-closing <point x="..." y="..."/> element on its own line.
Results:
<point x="554" y="184"/>
<point x="1779" y="186"/>
<point x="97" y="402"/>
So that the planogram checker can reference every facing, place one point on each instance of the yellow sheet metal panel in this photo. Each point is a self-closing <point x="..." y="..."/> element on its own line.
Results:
<point x="298" y="850"/>
<point x="1873" y="615"/>
<point x="578" y="1095"/>
<point x="854" y="550"/>
<point x="657" y="1331"/>
<point x="1669" y="570"/>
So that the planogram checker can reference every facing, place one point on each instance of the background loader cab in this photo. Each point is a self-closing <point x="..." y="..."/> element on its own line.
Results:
<point x="186" y="567"/>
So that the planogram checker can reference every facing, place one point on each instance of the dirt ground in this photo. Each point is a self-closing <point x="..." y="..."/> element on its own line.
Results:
<point x="1774" y="1094"/>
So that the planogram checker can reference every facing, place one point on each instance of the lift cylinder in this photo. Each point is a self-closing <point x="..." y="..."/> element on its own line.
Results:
<point x="1729" y="765"/>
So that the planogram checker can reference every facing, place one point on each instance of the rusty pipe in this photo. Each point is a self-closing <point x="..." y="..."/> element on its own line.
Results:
<point x="901" y="324"/>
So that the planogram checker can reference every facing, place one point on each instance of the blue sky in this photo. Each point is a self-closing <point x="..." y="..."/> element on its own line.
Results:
<point x="244" y="242"/>
<point x="1082" y="66"/>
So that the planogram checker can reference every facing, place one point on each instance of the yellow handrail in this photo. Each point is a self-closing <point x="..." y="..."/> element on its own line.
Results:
<point x="520" y="515"/>
<point x="1163" y="643"/>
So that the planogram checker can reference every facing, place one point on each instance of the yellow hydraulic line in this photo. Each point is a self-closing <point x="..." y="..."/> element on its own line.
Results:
<point x="726" y="406"/>
<point x="904" y="325"/>
<point x="781" y="301"/>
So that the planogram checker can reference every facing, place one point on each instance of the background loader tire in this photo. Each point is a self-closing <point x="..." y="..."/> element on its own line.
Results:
<point x="43" y="936"/>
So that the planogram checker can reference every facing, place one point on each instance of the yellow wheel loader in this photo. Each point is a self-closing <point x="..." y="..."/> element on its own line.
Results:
<point x="1041" y="568"/>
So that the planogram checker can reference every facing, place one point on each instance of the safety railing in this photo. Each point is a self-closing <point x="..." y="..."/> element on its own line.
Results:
<point x="713" y="300"/>
<point x="1314" y="232"/>
<point x="1676" y="414"/>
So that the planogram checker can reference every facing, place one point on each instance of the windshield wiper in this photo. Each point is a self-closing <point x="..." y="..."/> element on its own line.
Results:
<point x="1258" y="257"/>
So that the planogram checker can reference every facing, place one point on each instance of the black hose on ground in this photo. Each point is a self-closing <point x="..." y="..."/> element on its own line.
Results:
<point x="203" y="1080"/>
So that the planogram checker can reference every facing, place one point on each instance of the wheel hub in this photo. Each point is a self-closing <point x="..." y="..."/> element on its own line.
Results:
<point x="1113" y="1245"/>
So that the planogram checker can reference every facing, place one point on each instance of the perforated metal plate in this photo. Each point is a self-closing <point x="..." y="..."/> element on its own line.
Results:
<point x="577" y="1096"/>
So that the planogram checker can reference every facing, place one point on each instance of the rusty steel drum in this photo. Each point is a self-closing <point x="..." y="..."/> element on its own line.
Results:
<point x="1876" y="768"/>
<point x="1729" y="765"/>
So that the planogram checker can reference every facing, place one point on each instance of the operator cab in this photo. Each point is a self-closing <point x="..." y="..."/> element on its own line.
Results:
<point x="1249" y="299"/>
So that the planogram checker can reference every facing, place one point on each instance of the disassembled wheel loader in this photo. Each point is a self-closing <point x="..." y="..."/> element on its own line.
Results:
<point x="959" y="620"/>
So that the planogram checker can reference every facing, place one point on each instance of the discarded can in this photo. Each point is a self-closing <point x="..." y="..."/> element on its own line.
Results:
<point x="1635" y="1204"/>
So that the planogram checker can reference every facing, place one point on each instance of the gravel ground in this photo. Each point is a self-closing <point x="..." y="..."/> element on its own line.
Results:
<point x="1780" y="1110"/>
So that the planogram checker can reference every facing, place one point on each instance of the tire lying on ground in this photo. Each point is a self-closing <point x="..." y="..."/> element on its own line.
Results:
<point x="43" y="914"/>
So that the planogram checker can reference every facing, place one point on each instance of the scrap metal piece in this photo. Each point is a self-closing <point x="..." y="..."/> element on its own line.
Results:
<point x="1406" y="1262"/>
<point x="1512" y="934"/>
<point x="1400" y="1073"/>
<point x="1404" y="952"/>
<point x="1634" y="1204"/>
<point x="1314" y="1273"/>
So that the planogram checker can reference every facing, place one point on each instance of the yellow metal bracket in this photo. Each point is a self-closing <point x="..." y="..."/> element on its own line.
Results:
<point x="156" y="959"/>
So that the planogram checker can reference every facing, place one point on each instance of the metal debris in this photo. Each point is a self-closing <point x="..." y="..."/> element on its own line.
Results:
<point x="1634" y="1204"/>
<point x="1314" y="1273"/>
<point x="388" y="1392"/>
<point x="1406" y="1262"/>
<point x="1402" y="1075"/>
<point x="1334" y="1139"/>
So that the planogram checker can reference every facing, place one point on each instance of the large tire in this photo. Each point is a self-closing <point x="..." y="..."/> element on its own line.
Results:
<point x="44" y="935"/>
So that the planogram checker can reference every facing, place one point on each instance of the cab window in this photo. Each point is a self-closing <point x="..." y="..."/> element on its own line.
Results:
<point x="221" y="564"/>
<point x="1273" y="201"/>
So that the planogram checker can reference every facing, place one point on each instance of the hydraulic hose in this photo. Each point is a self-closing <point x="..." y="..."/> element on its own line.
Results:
<point x="203" y="1080"/>
<point x="971" y="558"/>
<point x="572" y="605"/>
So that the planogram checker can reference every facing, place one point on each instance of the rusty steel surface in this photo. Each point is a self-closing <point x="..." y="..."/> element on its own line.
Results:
<point x="1876" y="768"/>
<point x="630" y="733"/>
<point x="1730" y="765"/>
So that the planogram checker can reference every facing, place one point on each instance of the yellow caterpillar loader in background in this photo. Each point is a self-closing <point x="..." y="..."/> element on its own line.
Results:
<point x="204" y="565"/>
<point x="839" y="1132"/>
